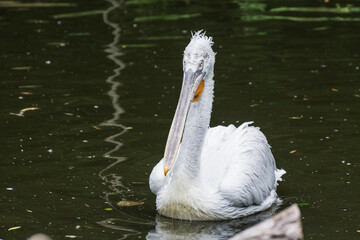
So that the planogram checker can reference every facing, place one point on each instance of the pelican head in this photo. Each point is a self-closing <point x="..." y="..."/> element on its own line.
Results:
<point x="198" y="67"/>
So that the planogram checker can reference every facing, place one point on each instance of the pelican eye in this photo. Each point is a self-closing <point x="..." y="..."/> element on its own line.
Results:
<point x="201" y="65"/>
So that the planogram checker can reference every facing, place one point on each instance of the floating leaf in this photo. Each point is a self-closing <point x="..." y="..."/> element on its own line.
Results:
<point x="96" y="127"/>
<point x="108" y="209"/>
<point x="141" y="45"/>
<point x="295" y="118"/>
<point x="37" y="21"/>
<point x="139" y="183"/>
<point x="69" y="114"/>
<point x="170" y="17"/>
<point x="251" y="18"/>
<point x="14" y="228"/>
<point x="22" y="111"/>
<point x="21" y="68"/>
<point x="129" y="128"/>
<point x="29" y="109"/>
<point x="57" y="44"/>
<point x="137" y="2"/>
<point x="30" y="86"/>
<point x="334" y="90"/>
<point x="338" y="9"/>
<point x="79" y="157"/>
<point x="26" y="93"/>
<point x="130" y="203"/>
<point x="70" y="236"/>
<point x="16" y="114"/>
<point x="303" y="204"/>
<point x="78" y="14"/>
<point x="29" y="211"/>
<point x="293" y="151"/>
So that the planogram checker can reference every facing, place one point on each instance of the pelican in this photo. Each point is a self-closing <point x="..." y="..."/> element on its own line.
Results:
<point x="211" y="173"/>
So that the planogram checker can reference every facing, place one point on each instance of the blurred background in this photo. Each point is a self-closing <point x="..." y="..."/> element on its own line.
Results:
<point x="88" y="90"/>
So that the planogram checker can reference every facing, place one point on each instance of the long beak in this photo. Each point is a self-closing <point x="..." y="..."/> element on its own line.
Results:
<point x="191" y="82"/>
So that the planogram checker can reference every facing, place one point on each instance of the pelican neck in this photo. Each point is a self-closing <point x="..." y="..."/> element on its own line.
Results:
<point x="196" y="127"/>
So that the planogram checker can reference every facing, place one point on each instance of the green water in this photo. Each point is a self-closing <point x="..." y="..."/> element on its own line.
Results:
<point x="98" y="81"/>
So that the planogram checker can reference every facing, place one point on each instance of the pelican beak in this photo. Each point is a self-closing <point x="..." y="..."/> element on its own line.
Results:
<point x="190" y="92"/>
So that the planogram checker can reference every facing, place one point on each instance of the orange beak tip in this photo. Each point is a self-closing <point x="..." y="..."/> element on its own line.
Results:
<point x="166" y="170"/>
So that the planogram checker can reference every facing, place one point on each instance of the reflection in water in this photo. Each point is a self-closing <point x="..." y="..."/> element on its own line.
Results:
<point x="113" y="54"/>
<point x="175" y="229"/>
<point x="121" y="225"/>
<point x="112" y="180"/>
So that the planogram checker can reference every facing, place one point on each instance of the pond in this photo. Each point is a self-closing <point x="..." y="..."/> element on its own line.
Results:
<point x="89" y="89"/>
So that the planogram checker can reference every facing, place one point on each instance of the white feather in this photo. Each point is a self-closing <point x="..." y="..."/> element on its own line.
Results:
<point x="220" y="172"/>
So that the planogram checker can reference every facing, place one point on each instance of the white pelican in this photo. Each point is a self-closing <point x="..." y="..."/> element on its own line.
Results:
<point x="211" y="173"/>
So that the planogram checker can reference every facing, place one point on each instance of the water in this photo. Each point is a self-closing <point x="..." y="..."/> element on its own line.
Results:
<point x="97" y="83"/>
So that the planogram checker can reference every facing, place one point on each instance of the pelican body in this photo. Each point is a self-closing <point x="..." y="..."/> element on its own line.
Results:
<point x="211" y="173"/>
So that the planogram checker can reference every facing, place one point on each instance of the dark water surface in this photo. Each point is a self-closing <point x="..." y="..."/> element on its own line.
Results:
<point x="88" y="90"/>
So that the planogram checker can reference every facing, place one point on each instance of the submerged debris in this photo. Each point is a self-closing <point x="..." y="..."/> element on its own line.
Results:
<point x="130" y="203"/>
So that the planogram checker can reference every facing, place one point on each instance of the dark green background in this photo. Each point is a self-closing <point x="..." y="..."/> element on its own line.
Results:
<point x="292" y="67"/>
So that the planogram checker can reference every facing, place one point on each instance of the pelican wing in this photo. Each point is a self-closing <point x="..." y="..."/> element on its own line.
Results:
<point x="238" y="161"/>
